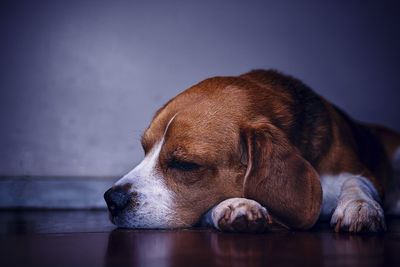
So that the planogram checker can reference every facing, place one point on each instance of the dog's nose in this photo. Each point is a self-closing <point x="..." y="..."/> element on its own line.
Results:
<point x="117" y="199"/>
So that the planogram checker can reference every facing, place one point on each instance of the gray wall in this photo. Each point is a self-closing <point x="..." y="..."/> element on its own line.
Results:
<point x="79" y="81"/>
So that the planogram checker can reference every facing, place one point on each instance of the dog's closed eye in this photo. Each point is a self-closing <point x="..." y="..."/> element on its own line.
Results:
<point x="183" y="165"/>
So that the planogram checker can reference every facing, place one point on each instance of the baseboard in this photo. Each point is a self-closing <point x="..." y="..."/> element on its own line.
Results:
<point x="54" y="192"/>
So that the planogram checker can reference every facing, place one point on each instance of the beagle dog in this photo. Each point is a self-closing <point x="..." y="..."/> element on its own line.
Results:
<point x="257" y="152"/>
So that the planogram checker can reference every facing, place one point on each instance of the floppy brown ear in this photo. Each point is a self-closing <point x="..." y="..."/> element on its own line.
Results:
<point x="279" y="177"/>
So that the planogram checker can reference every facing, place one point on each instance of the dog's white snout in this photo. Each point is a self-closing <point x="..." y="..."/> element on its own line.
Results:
<point x="154" y="205"/>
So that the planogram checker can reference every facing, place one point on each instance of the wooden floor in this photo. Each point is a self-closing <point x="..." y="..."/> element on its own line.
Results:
<point x="86" y="238"/>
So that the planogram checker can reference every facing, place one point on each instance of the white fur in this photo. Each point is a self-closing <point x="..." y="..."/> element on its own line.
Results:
<point x="332" y="186"/>
<point x="238" y="207"/>
<point x="354" y="201"/>
<point x="155" y="202"/>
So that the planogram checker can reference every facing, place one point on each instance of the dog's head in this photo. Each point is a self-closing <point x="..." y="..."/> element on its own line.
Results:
<point x="207" y="144"/>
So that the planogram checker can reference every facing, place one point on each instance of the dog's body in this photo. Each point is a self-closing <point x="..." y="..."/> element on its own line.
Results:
<point x="254" y="152"/>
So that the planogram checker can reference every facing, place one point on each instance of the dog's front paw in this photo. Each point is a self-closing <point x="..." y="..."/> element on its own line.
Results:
<point x="358" y="216"/>
<point x="240" y="215"/>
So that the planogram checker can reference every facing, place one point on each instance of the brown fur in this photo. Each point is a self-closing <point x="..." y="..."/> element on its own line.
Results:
<point x="265" y="136"/>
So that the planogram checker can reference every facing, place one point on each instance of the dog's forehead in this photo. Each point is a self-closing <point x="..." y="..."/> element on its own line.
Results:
<point x="206" y="114"/>
<point x="193" y="132"/>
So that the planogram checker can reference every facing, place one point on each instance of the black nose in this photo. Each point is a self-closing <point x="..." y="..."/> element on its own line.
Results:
<point x="117" y="199"/>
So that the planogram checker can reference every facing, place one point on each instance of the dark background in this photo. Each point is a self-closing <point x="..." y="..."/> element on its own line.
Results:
<point x="80" y="80"/>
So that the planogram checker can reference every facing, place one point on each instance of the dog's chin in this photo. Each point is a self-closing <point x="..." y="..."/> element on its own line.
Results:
<point x="126" y="221"/>
<point x="133" y="221"/>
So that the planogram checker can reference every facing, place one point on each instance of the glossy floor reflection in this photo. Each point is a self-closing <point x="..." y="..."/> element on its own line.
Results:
<point x="86" y="238"/>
